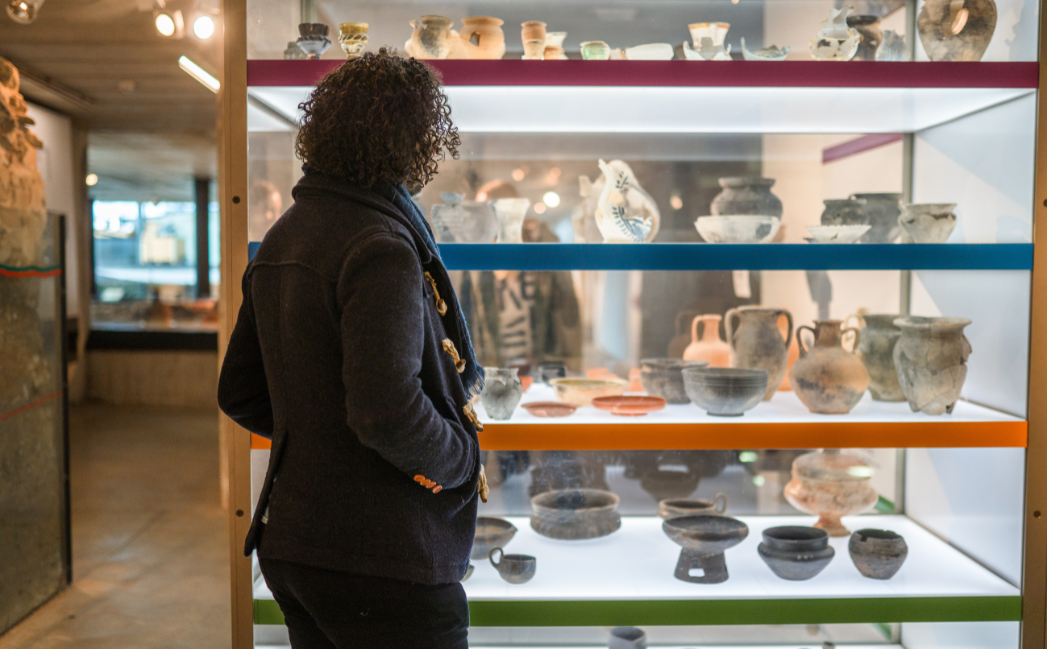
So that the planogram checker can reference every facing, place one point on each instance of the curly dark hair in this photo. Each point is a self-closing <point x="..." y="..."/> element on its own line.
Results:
<point x="379" y="117"/>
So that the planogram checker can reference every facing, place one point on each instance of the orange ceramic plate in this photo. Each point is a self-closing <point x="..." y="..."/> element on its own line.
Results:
<point x="550" y="408"/>
<point x="629" y="406"/>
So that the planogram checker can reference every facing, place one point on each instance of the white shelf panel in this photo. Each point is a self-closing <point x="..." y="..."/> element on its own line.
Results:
<point x="637" y="563"/>
<point x="624" y="109"/>
<point x="783" y="407"/>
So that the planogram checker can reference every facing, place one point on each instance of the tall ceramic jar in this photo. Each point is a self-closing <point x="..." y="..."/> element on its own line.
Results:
<point x="756" y="343"/>
<point x="881" y="212"/>
<point x="486" y="36"/>
<point x="502" y="392"/>
<point x="876" y="351"/>
<point x="828" y="379"/>
<point x="432" y="38"/>
<point x="831" y="484"/>
<point x="708" y="347"/>
<point x="931" y="357"/>
<point x="746" y="195"/>
<point x="956" y="31"/>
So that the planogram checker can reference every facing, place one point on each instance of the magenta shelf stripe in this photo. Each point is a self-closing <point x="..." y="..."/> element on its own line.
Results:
<point x="759" y="74"/>
<point x="859" y="145"/>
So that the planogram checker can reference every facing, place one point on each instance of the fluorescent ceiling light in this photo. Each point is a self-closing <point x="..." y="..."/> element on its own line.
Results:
<point x="198" y="73"/>
<point x="203" y="27"/>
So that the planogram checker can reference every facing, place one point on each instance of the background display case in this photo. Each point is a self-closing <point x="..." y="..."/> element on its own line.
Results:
<point x="960" y="487"/>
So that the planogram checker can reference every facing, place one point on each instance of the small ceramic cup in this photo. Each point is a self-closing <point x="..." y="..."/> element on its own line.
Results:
<point x="534" y="49"/>
<point x="596" y="51"/>
<point x="552" y="53"/>
<point x="514" y="568"/>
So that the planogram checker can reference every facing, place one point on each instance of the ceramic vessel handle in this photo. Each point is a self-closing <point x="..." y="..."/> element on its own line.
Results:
<point x="490" y="556"/>
<point x="728" y="325"/>
<point x="857" y="337"/>
<point x="694" y="328"/>
<point x="721" y="502"/>
<point x="859" y="322"/>
<point x="789" y="320"/>
<point x="799" y="339"/>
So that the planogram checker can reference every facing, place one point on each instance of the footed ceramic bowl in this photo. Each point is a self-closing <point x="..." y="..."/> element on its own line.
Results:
<point x="837" y="233"/>
<point x="704" y="539"/>
<point x="725" y="391"/>
<point x="738" y="228"/>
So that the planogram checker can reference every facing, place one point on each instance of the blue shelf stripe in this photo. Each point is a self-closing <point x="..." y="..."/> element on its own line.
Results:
<point x="697" y="256"/>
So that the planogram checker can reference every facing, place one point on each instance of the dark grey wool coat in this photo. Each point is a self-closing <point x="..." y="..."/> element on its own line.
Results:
<point x="338" y="357"/>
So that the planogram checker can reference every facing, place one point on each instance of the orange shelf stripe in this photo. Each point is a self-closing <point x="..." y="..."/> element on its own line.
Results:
<point x="658" y="437"/>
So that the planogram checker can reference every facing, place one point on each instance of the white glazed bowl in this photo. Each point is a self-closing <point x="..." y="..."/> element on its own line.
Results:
<point x="837" y="233"/>
<point x="650" y="52"/>
<point x="738" y="229"/>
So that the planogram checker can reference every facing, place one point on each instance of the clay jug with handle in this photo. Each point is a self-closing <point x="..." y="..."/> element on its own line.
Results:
<point x="756" y="343"/>
<point x="828" y="379"/>
<point x="708" y="347"/>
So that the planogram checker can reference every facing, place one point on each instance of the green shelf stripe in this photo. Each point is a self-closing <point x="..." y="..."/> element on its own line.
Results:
<point x="859" y="610"/>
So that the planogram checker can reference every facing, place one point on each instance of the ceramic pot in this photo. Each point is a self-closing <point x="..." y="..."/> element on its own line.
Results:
<point x="952" y="31"/>
<point x="928" y="222"/>
<point x="746" y="195"/>
<point x="707" y="345"/>
<point x="596" y="51"/>
<point x="830" y="484"/>
<point x="828" y="379"/>
<point x="575" y="514"/>
<point x="663" y="484"/>
<point x="533" y="30"/>
<point x="756" y="342"/>
<point x="879" y="335"/>
<point x="627" y="637"/>
<point x="460" y="221"/>
<point x="485" y="35"/>
<point x="534" y="50"/>
<point x="676" y="507"/>
<point x="881" y="214"/>
<point x="931" y="357"/>
<point x="872" y="36"/>
<point x="704" y="539"/>
<point x="844" y="211"/>
<point x="502" y="392"/>
<point x="514" y="568"/>
<point x="725" y="391"/>
<point x="663" y="377"/>
<point x="432" y="38"/>
<point x="552" y="53"/>
<point x="794" y="552"/>
<point x="511" y="213"/>
<point x="878" y="554"/>
<point x="490" y="533"/>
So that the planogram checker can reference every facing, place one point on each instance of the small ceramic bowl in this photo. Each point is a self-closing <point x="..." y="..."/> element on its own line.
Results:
<point x="550" y="408"/>
<point x="878" y="554"/>
<point x="676" y="507"/>
<point x="725" y="391"/>
<point x="796" y="553"/>
<point x="596" y="51"/>
<point x="575" y="514"/>
<point x="663" y="377"/>
<point x="581" y="392"/>
<point x="490" y="533"/>
<point x="629" y="406"/>
<point x="738" y="229"/>
<point x="837" y="233"/>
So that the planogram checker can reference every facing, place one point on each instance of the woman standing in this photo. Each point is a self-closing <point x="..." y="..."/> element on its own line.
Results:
<point x="350" y="352"/>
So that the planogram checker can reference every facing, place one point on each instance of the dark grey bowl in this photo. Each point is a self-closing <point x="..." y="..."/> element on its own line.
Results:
<point x="575" y="514"/>
<point x="663" y="484"/>
<point x="491" y="533"/>
<point x="794" y="552"/>
<point x="725" y="391"/>
<point x="663" y="377"/>
<point x="878" y="554"/>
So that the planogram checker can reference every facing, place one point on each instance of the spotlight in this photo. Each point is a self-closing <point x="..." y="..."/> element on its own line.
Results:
<point x="169" y="24"/>
<point x="552" y="199"/>
<point x="203" y="27"/>
<point x="198" y="73"/>
<point x="24" y="11"/>
<point x="91" y="180"/>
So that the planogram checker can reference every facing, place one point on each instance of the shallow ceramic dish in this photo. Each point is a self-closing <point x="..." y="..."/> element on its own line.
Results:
<point x="550" y="408"/>
<point x="629" y="406"/>
<point x="575" y="514"/>
<point x="491" y="533"/>
<point x="738" y="228"/>
<point x="663" y="377"/>
<point x="677" y="507"/>
<point x="878" y="554"/>
<point x="650" y="52"/>
<point x="725" y="391"/>
<point x="837" y="233"/>
<point x="581" y="392"/>
<point x="794" y="552"/>
<point x="704" y="539"/>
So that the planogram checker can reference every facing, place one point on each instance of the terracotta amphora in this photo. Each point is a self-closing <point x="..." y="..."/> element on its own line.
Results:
<point x="931" y="357"/>
<point x="876" y="351"/>
<point x="756" y="343"/>
<point x="828" y="379"/>
<point x="708" y="347"/>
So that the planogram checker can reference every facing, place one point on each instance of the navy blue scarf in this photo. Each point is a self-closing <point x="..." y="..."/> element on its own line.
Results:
<point x="473" y="375"/>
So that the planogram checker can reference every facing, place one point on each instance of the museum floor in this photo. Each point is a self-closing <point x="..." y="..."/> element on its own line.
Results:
<point x="150" y="563"/>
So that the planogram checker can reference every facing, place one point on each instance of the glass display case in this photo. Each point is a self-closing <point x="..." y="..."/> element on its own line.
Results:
<point x="757" y="278"/>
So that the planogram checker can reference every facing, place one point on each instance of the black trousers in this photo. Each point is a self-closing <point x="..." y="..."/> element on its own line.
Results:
<point x="326" y="609"/>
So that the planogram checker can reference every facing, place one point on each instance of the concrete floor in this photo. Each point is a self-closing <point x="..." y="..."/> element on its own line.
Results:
<point x="150" y="555"/>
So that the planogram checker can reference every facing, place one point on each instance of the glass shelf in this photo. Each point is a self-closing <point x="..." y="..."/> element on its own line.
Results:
<point x="627" y="578"/>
